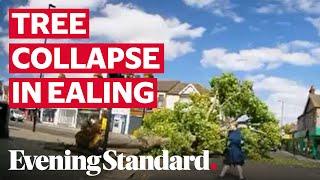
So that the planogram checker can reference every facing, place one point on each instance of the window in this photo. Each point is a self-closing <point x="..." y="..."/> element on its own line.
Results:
<point x="48" y="115"/>
<point x="184" y="98"/>
<point x="161" y="100"/>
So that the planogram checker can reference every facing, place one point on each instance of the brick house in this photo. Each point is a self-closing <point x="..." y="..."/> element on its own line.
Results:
<point x="308" y="126"/>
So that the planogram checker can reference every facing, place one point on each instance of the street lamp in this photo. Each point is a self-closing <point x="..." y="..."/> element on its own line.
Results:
<point x="52" y="6"/>
<point x="45" y="40"/>
<point x="41" y="76"/>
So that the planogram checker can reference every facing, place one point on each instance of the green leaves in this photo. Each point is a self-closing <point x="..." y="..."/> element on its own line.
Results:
<point x="257" y="145"/>
<point x="237" y="98"/>
<point x="186" y="127"/>
<point x="198" y="125"/>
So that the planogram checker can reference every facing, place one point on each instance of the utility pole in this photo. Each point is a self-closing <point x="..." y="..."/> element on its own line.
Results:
<point x="282" y="112"/>
<point x="38" y="111"/>
<point x="109" y="116"/>
<point x="106" y="134"/>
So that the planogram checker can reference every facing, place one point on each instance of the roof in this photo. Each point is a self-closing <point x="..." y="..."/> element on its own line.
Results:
<point x="315" y="99"/>
<point x="175" y="87"/>
<point x="166" y="85"/>
<point x="201" y="89"/>
<point x="178" y="88"/>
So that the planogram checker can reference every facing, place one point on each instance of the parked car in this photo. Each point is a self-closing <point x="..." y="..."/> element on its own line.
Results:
<point x="4" y="120"/>
<point x="16" y="115"/>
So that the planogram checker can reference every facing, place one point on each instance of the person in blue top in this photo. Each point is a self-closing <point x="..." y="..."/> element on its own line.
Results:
<point x="233" y="153"/>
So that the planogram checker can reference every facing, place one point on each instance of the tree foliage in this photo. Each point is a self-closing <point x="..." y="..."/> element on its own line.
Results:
<point x="238" y="98"/>
<point x="288" y="128"/>
<point x="200" y="124"/>
<point x="186" y="128"/>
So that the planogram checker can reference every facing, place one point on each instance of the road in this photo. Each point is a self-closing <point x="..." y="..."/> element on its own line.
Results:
<point x="66" y="135"/>
<point x="22" y="138"/>
<point x="253" y="171"/>
<point x="35" y="144"/>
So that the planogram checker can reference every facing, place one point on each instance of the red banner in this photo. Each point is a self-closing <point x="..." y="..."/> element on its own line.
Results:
<point x="82" y="93"/>
<point x="86" y="58"/>
<point x="48" y="23"/>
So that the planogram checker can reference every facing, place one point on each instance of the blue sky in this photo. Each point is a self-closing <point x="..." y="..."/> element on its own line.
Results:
<point x="274" y="43"/>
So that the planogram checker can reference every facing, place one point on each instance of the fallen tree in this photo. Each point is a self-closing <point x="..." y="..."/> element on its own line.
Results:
<point x="202" y="123"/>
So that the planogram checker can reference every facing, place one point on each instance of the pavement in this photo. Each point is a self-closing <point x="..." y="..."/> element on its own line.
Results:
<point x="21" y="137"/>
<point x="300" y="157"/>
<point x="36" y="143"/>
<point x="66" y="135"/>
<point x="253" y="170"/>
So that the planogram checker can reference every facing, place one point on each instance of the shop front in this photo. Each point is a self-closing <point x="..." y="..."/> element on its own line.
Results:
<point x="59" y="117"/>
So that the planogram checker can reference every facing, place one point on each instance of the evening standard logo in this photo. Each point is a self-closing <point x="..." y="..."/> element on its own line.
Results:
<point x="110" y="160"/>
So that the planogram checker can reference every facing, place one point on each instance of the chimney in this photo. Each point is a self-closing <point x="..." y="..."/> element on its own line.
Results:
<point x="312" y="90"/>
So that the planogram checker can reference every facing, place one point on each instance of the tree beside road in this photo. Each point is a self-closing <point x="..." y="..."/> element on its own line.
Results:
<point x="203" y="122"/>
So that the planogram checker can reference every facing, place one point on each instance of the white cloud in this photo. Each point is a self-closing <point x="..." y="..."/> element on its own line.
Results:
<point x="315" y="22"/>
<point x="4" y="42"/>
<point x="283" y="23"/>
<point x="302" y="53"/>
<point x="298" y="45"/>
<point x="92" y="4"/>
<point x="270" y="8"/>
<point x="220" y="8"/>
<point x="198" y="3"/>
<point x="125" y="23"/>
<point x="280" y="6"/>
<point x="73" y="75"/>
<point x="293" y="94"/>
<point x="254" y="28"/>
<point x="218" y="29"/>
<point x="220" y="58"/>
<point x="306" y="6"/>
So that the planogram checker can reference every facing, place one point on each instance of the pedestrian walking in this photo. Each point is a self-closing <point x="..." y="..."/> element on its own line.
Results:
<point x="233" y="154"/>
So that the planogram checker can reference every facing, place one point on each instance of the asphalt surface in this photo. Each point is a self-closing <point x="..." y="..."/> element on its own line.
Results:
<point x="67" y="134"/>
<point x="252" y="171"/>
<point x="34" y="143"/>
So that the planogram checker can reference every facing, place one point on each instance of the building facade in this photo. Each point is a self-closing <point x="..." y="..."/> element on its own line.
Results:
<point x="70" y="117"/>
<point x="307" y="135"/>
<point x="123" y="120"/>
<point x="171" y="92"/>
<point x="4" y="92"/>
